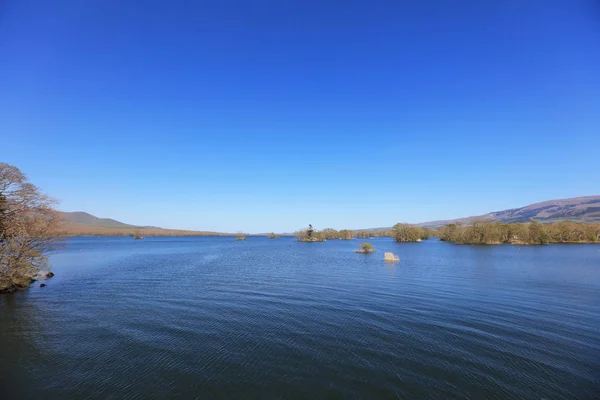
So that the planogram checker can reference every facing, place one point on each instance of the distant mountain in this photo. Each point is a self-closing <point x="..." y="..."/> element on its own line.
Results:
<point x="577" y="209"/>
<point x="80" y="223"/>
<point x="83" y="218"/>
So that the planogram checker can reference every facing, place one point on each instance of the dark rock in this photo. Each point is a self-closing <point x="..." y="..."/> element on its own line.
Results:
<point x="43" y="285"/>
<point x="49" y="274"/>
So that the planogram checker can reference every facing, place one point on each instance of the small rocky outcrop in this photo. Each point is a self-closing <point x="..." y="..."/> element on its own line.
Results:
<point x="391" y="257"/>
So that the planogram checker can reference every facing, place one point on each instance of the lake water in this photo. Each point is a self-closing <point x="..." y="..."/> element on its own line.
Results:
<point x="217" y="318"/>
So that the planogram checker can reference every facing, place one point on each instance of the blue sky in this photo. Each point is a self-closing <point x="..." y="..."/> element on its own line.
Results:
<point x="269" y="115"/>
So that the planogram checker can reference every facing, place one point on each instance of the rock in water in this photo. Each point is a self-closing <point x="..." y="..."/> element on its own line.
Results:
<point x="43" y="285"/>
<point x="49" y="274"/>
<point x="389" y="256"/>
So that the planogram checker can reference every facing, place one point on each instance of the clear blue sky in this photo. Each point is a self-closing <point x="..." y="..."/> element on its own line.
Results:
<point x="269" y="115"/>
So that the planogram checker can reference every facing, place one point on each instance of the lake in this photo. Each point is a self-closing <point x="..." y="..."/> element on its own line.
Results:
<point x="211" y="317"/>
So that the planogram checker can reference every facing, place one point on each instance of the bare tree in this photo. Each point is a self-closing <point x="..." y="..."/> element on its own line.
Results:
<point x="29" y="227"/>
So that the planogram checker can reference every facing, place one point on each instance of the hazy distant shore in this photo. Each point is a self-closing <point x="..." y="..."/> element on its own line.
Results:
<point x="74" y="230"/>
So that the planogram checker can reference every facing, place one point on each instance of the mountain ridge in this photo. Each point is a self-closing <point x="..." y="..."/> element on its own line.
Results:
<point x="84" y="218"/>
<point x="85" y="224"/>
<point x="577" y="209"/>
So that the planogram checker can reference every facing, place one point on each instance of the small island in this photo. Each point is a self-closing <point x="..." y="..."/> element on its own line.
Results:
<point x="365" y="248"/>
<point x="309" y="235"/>
<point x="240" y="236"/>
<point x="273" y="235"/>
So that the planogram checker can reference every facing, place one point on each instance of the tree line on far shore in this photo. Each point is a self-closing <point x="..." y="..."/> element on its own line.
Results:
<point x="312" y="235"/>
<point x="478" y="232"/>
<point x="400" y="232"/>
<point x="305" y="235"/>
<point x="534" y="232"/>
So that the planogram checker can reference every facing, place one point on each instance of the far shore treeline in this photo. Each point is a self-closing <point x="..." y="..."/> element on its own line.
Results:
<point x="478" y="232"/>
<point x="489" y="232"/>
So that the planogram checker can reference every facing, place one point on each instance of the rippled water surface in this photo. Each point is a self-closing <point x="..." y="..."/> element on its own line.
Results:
<point x="216" y="318"/>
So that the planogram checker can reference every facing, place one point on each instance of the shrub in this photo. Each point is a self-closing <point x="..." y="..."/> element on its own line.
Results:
<point x="365" y="248"/>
